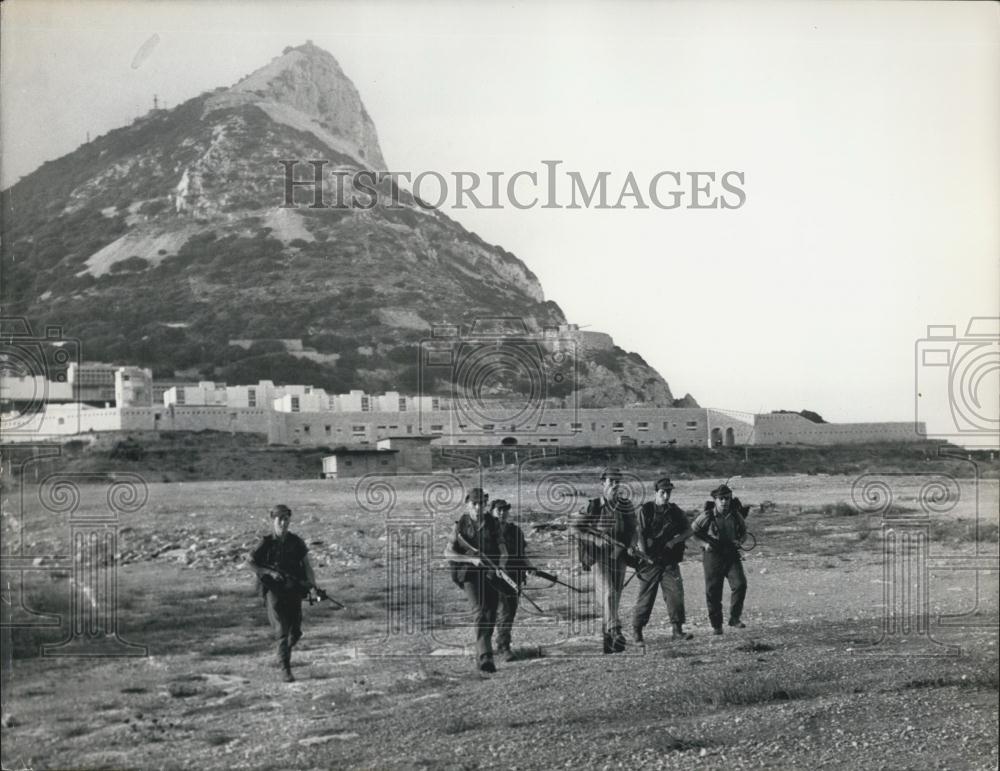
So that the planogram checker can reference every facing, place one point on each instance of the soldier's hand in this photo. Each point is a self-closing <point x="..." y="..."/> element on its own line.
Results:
<point x="313" y="594"/>
<point x="477" y="562"/>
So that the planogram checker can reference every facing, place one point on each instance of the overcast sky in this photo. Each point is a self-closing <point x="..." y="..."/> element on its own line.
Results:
<point x="867" y="134"/>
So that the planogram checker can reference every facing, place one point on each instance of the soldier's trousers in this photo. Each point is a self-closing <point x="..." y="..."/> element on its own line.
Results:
<point x="284" y="611"/>
<point x="505" y="618"/>
<point x="721" y="566"/>
<point x="666" y="578"/>
<point x="484" y="598"/>
<point x="609" y="575"/>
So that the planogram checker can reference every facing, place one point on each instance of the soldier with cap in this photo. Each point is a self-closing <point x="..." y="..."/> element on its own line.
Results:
<point x="605" y="530"/>
<point x="662" y="530"/>
<point x="720" y="529"/>
<point x="285" y="577"/>
<point x="515" y="563"/>
<point x="476" y="538"/>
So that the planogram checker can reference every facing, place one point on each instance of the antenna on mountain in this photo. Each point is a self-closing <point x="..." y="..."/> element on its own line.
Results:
<point x="156" y="102"/>
<point x="88" y="137"/>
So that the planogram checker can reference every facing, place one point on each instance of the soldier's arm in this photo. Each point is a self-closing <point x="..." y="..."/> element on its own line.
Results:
<point x="700" y="528"/>
<point x="308" y="571"/>
<point x="255" y="563"/>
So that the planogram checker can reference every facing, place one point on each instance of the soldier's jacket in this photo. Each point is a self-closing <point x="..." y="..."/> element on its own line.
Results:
<point x="616" y="520"/>
<point x="286" y="556"/>
<point x="656" y="527"/>
<point x="514" y="561"/>
<point x="484" y="535"/>
<point x="728" y="529"/>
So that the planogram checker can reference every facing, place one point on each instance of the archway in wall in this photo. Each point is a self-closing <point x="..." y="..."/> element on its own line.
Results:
<point x="508" y="441"/>
<point x="730" y="437"/>
<point x="716" y="437"/>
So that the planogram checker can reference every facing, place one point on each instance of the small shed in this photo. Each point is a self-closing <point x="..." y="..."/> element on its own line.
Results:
<point x="414" y="452"/>
<point x="357" y="461"/>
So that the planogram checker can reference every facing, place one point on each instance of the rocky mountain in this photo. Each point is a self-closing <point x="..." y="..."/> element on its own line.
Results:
<point x="166" y="244"/>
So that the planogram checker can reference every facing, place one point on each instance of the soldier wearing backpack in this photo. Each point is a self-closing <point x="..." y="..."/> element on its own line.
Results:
<point x="720" y="529"/>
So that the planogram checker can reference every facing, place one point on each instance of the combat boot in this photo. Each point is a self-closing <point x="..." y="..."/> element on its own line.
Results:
<point x="637" y="634"/>
<point x="618" y="642"/>
<point x="608" y="643"/>
<point x="487" y="665"/>
<point x="735" y="622"/>
<point x="678" y="633"/>
<point x="287" y="675"/>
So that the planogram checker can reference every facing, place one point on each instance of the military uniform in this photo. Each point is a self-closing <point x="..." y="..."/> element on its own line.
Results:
<point x="478" y="581"/>
<point x="722" y="560"/>
<point x="283" y="599"/>
<point x="515" y="564"/>
<point x="656" y="527"/>
<point x="615" y="521"/>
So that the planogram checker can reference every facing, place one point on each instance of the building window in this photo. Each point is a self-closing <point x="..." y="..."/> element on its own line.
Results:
<point x="358" y="429"/>
<point x="435" y="403"/>
<point x="251" y="397"/>
<point x="402" y="404"/>
<point x="576" y="426"/>
<point x="61" y="421"/>
<point x="409" y="429"/>
<point x="365" y="404"/>
<point x="381" y="428"/>
<point x="181" y="396"/>
<point x="593" y="425"/>
<point x="327" y="430"/>
<point x="488" y="427"/>
<point x="691" y="425"/>
<point x="617" y="426"/>
<point x="305" y="429"/>
<point x="437" y="427"/>
<point x="393" y="428"/>
<point x="642" y="425"/>
<point x="347" y="462"/>
<point x="295" y="404"/>
<point x="384" y="462"/>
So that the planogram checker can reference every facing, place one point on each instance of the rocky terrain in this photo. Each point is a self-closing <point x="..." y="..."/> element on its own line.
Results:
<point x="161" y="242"/>
<point x="813" y="681"/>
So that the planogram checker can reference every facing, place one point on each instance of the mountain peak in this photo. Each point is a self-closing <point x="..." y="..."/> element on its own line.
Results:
<point x="305" y="88"/>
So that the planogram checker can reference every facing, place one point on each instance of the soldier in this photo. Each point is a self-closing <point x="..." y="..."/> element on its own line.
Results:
<point x="476" y="536"/>
<point x="285" y="576"/>
<point x="516" y="565"/>
<point x="662" y="530"/>
<point x="605" y="530"/>
<point x="720" y="529"/>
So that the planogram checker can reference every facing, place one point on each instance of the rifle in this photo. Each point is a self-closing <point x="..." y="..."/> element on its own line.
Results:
<point x="500" y="572"/>
<point x="551" y="577"/>
<point x="305" y="586"/>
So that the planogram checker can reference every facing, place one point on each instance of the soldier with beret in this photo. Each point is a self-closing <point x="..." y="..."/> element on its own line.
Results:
<point x="515" y="563"/>
<point x="662" y="530"/>
<point x="285" y="577"/>
<point x="720" y="530"/>
<point x="605" y="530"/>
<point x="476" y="538"/>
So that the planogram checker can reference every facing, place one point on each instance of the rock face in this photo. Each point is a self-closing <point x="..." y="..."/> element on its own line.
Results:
<point x="159" y="242"/>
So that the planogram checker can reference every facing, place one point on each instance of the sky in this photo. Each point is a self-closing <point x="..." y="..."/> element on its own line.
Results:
<point x="865" y="133"/>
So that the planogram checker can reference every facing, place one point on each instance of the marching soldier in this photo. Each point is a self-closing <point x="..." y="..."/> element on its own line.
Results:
<point x="720" y="529"/>
<point x="605" y="530"/>
<point x="285" y="577"/>
<point x="476" y="537"/>
<point x="662" y="530"/>
<point x="516" y="565"/>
